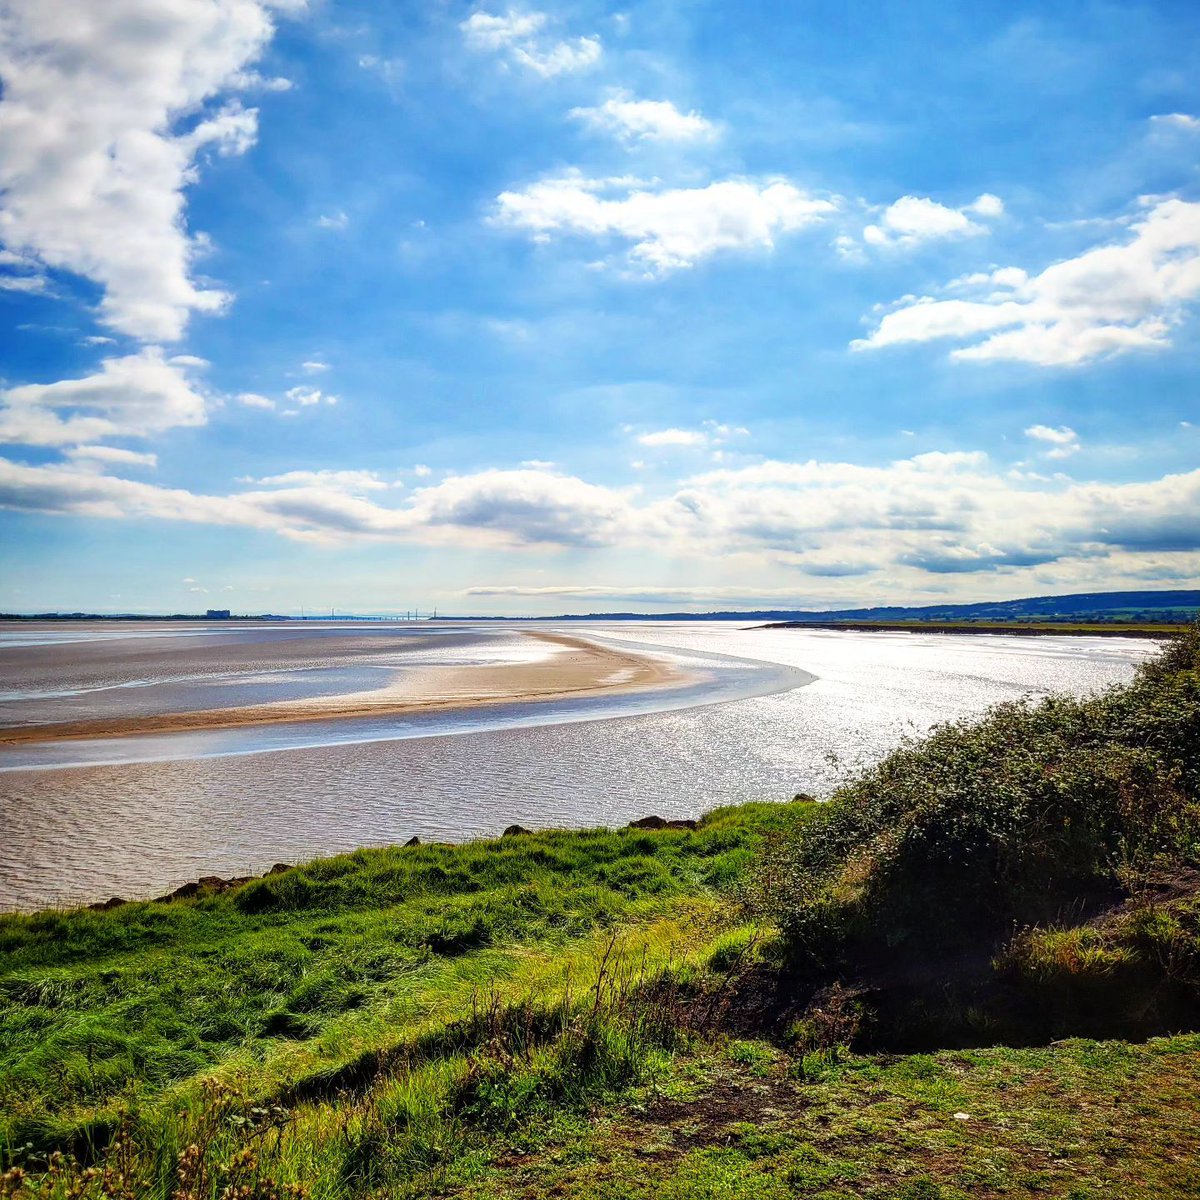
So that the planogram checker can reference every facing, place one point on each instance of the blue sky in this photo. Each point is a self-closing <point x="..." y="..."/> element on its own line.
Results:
<point x="584" y="306"/>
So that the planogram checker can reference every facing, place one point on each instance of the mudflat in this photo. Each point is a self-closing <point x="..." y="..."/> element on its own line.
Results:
<point x="576" y="667"/>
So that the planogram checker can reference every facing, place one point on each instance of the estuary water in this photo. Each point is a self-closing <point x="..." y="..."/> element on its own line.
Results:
<point x="753" y="714"/>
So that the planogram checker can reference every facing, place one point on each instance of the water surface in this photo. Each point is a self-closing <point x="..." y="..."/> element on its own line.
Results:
<point x="136" y="816"/>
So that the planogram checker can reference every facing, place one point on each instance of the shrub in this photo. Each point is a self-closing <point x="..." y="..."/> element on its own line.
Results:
<point x="952" y="840"/>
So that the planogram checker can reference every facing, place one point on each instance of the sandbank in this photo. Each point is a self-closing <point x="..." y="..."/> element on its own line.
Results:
<point x="577" y="668"/>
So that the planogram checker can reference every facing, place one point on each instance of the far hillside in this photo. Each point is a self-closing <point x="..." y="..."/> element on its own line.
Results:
<point x="1149" y="607"/>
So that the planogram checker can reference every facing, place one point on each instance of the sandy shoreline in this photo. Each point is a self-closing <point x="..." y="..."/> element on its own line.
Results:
<point x="579" y="668"/>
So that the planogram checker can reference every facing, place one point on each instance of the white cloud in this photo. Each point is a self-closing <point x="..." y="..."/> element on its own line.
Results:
<point x="987" y="205"/>
<point x="112" y="455"/>
<point x="314" y="366"/>
<point x="308" y="396"/>
<point x="349" y="481"/>
<point x="61" y="489"/>
<point x="1063" y="440"/>
<point x="673" y="437"/>
<point x="487" y="31"/>
<point x="910" y="521"/>
<point x="666" y="228"/>
<point x="713" y="434"/>
<point x="1177" y="120"/>
<point x="1109" y="300"/>
<point x="523" y="507"/>
<point x="649" y="120"/>
<point x="254" y="400"/>
<point x="137" y="395"/>
<point x="521" y="38"/>
<point x="24" y="283"/>
<point x="252" y="81"/>
<point x="337" y="220"/>
<point x="93" y="158"/>
<point x="21" y="273"/>
<point x="915" y="219"/>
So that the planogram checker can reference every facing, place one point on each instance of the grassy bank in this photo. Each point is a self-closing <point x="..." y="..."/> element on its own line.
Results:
<point x="975" y="972"/>
<point x="326" y="977"/>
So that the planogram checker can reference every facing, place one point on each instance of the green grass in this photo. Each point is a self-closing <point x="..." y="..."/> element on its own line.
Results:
<point x="298" y="975"/>
<point x="1079" y="1120"/>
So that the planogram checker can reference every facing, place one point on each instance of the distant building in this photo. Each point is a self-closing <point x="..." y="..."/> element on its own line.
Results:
<point x="217" y="614"/>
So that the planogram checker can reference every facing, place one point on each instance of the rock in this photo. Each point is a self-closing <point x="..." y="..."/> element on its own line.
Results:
<point x="279" y="868"/>
<point x="516" y="831"/>
<point x="686" y="824"/>
<point x="803" y="798"/>
<point x="648" y="823"/>
<point x="413" y="841"/>
<point x="105" y="905"/>
<point x="212" y="884"/>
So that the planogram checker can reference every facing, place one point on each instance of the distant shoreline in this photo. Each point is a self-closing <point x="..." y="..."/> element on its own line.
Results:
<point x="1150" y="607"/>
<point x="1018" y="628"/>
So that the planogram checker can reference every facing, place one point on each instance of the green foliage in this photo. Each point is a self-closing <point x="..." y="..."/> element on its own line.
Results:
<point x="953" y="839"/>
<point x="1139" y="966"/>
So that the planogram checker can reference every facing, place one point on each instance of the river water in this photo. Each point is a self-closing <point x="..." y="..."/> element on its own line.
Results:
<point x="760" y="714"/>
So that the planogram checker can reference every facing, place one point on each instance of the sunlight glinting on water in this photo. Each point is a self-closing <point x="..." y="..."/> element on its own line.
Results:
<point x="741" y="728"/>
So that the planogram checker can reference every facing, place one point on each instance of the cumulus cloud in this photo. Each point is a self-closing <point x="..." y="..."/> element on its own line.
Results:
<point x="96" y="149"/>
<point x="625" y="117"/>
<point x="522" y="38"/>
<point x="933" y="513"/>
<point x="1062" y="439"/>
<point x="1110" y="300"/>
<point x="918" y="518"/>
<point x="665" y="228"/>
<point x="912" y="220"/>
<point x="136" y="395"/>
<point x="524" y="507"/>
<point x="337" y="220"/>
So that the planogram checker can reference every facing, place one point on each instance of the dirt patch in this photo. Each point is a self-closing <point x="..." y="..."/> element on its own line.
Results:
<point x="710" y="1119"/>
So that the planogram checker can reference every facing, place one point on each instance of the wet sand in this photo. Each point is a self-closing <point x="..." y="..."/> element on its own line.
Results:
<point x="576" y="668"/>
